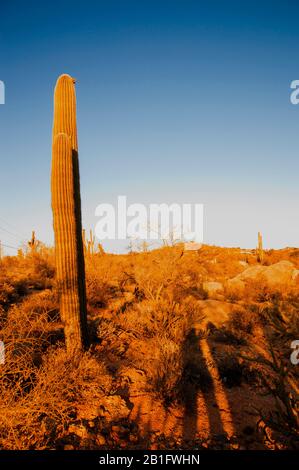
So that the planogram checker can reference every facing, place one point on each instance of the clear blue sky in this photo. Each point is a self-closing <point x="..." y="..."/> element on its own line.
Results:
<point x="178" y="101"/>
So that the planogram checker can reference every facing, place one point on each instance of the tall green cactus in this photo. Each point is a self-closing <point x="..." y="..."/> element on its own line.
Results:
<point x="66" y="207"/>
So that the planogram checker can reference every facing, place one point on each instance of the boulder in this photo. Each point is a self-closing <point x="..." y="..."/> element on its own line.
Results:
<point x="113" y="408"/>
<point x="215" y="312"/>
<point x="280" y="273"/>
<point x="243" y="263"/>
<point x="79" y="430"/>
<point x="212" y="287"/>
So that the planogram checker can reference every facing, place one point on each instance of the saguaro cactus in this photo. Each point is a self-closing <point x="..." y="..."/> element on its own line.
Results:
<point x="66" y="207"/>
<point x="91" y="243"/>
<point x="101" y="250"/>
<point x="259" y="249"/>
<point x="32" y="243"/>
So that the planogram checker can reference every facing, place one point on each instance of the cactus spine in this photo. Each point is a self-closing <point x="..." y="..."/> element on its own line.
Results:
<point x="259" y="249"/>
<point x="66" y="207"/>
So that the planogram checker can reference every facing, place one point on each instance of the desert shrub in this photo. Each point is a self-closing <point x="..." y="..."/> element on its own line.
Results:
<point x="19" y="276"/>
<point x="222" y="263"/>
<point x="276" y="380"/>
<point x="43" y="271"/>
<point x="289" y="318"/>
<point x="152" y="278"/>
<point x="164" y="316"/>
<point x="233" y="292"/>
<point x="164" y="370"/>
<point x="254" y="290"/>
<point x="106" y="277"/>
<point x="241" y="324"/>
<point x="12" y="288"/>
<point x="97" y="291"/>
<point x="7" y="292"/>
<point x="161" y="328"/>
<point x="258" y="290"/>
<point x="65" y="388"/>
<point x="25" y="334"/>
<point x="274" y="256"/>
<point x="150" y="335"/>
<point x="188" y="283"/>
<point x="230" y="370"/>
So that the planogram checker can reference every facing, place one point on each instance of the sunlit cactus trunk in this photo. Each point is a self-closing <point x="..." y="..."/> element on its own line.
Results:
<point x="66" y="206"/>
<point x="84" y="242"/>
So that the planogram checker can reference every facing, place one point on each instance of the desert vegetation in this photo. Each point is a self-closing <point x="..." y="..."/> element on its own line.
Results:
<point x="180" y="355"/>
<point x="152" y="349"/>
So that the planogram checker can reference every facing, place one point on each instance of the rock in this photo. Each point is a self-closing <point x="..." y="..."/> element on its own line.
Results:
<point x="133" y="438"/>
<point x="100" y="440"/>
<point x="129" y="296"/>
<point x="68" y="447"/>
<point x="192" y="246"/>
<point x="116" y="428"/>
<point x="114" y="408"/>
<point x="215" y="312"/>
<point x="79" y="430"/>
<point x="212" y="287"/>
<point x="243" y="263"/>
<point x="236" y="285"/>
<point x="281" y="273"/>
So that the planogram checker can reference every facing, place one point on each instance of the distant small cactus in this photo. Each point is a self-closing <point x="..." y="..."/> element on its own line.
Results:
<point x="88" y="245"/>
<point x="101" y="250"/>
<point x="91" y="243"/>
<point x="33" y="243"/>
<point x="259" y="249"/>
